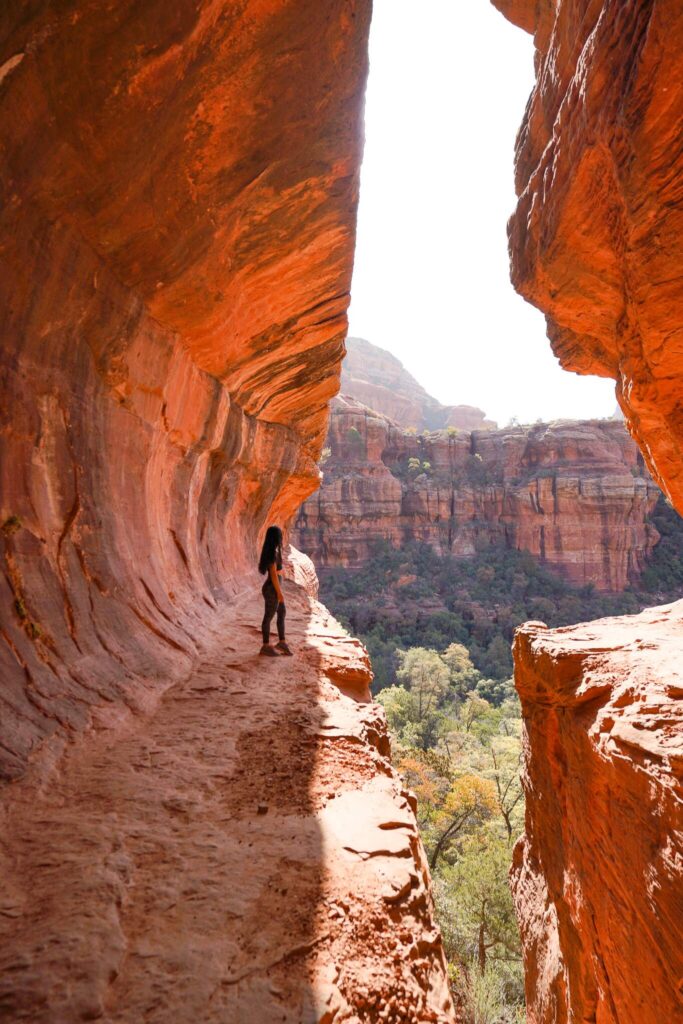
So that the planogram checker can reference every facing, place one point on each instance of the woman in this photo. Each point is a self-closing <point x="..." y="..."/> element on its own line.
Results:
<point x="270" y="563"/>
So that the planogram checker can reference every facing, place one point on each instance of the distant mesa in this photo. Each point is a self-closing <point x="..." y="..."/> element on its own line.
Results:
<point x="379" y="380"/>
<point x="575" y="494"/>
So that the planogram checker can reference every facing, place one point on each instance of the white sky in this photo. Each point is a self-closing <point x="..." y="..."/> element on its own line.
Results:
<point x="448" y="85"/>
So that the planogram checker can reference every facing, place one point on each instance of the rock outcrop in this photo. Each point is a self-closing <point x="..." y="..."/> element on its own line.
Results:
<point x="574" y="494"/>
<point x="178" y="192"/>
<point x="242" y="851"/>
<point x="597" y="239"/>
<point x="598" y="876"/>
<point x="597" y="243"/>
<point x="188" y="833"/>
<point x="379" y="380"/>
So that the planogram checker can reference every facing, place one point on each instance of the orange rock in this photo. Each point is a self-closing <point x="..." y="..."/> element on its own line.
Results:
<point x="597" y="244"/>
<point x="178" y="189"/>
<point x="597" y="238"/>
<point x="597" y="879"/>
<point x="178" y="192"/>
<point x="575" y="494"/>
<point x="242" y="851"/>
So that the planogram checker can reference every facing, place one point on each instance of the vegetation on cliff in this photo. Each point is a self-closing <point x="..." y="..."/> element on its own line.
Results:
<point x="438" y="629"/>
<point x="414" y="597"/>
<point x="459" y="754"/>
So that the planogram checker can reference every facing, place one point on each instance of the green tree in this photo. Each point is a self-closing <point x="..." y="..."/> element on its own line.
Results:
<point x="469" y="801"/>
<point x="462" y="673"/>
<point x="476" y="905"/>
<point x="472" y="711"/>
<point x="505" y="752"/>
<point x="423" y="673"/>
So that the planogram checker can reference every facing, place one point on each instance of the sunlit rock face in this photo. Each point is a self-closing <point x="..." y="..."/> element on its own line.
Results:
<point x="597" y="878"/>
<point x="597" y="238"/>
<point x="178" y="191"/>
<point x="191" y="833"/>
<point x="597" y="243"/>
<point x="574" y="494"/>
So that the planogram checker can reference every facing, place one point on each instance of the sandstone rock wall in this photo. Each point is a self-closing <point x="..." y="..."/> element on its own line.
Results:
<point x="597" y="243"/>
<point x="166" y="363"/>
<point x="574" y="494"/>
<point x="597" y="236"/>
<point x="597" y="878"/>
<point x="189" y="832"/>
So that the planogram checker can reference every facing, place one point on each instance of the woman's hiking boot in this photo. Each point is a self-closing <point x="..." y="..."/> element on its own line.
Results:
<point x="269" y="651"/>
<point x="284" y="648"/>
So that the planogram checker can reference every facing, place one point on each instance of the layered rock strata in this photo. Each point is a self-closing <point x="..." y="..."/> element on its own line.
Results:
<point x="597" y="238"/>
<point x="597" y="243"/>
<point x="576" y="495"/>
<point x="178" y="189"/>
<point x="598" y="876"/>
<point x="379" y="380"/>
<point x="178" y="192"/>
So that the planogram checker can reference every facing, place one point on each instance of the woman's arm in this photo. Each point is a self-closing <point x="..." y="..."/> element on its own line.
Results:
<point x="275" y="580"/>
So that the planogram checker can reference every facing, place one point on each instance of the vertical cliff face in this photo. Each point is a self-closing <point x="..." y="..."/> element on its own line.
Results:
<point x="574" y="494"/>
<point x="597" y="233"/>
<point x="597" y="878"/>
<point x="190" y="832"/>
<point x="596" y="242"/>
<point x="166" y="363"/>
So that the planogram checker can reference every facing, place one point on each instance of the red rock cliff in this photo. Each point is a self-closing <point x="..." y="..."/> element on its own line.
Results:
<point x="196" y="837"/>
<point x="597" y="235"/>
<point x="597" y="243"/>
<point x="574" y="494"/>
<point x="166" y="366"/>
<point x="379" y="380"/>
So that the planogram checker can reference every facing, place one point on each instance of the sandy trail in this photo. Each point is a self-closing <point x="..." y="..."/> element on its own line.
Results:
<point x="243" y="852"/>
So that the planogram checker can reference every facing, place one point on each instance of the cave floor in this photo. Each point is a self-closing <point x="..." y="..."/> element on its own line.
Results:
<point x="241" y="852"/>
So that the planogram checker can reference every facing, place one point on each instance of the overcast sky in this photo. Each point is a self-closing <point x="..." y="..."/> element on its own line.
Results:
<point x="447" y="89"/>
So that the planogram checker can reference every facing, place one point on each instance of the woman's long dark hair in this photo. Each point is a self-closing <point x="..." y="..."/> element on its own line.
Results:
<point x="271" y="550"/>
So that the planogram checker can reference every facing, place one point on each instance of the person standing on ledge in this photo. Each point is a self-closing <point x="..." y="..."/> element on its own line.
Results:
<point x="270" y="564"/>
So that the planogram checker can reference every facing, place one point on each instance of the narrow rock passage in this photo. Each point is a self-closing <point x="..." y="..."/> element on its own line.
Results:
<point x="242" y="853"/>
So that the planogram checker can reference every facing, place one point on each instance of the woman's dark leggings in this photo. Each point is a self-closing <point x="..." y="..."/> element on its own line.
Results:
<point x="272" y="606"/>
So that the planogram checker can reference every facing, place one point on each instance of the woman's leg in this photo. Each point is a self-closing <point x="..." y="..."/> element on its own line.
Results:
<point x="270" y="598"/>
<point x="281" y="612"/>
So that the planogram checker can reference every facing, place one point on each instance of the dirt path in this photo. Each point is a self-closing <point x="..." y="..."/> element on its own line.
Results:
<point x="243" y="853"/>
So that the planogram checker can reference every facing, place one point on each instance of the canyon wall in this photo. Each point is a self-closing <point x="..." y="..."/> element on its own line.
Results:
<point x="597" y="243"/>
<point x="379" y="380"/>
<point x="574" y="494"/>
<point x="189" y="832"/>
<point x="166" y="366"/>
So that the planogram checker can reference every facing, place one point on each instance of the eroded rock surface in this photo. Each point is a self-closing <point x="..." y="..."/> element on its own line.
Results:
<point x="178" y="189"/>
<point x="597" y="243"/>
<point x="598" y="877"/>
<point x="574" y="494"/>
<point x="597" y="238"/>
<point x="239" y="851"/>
